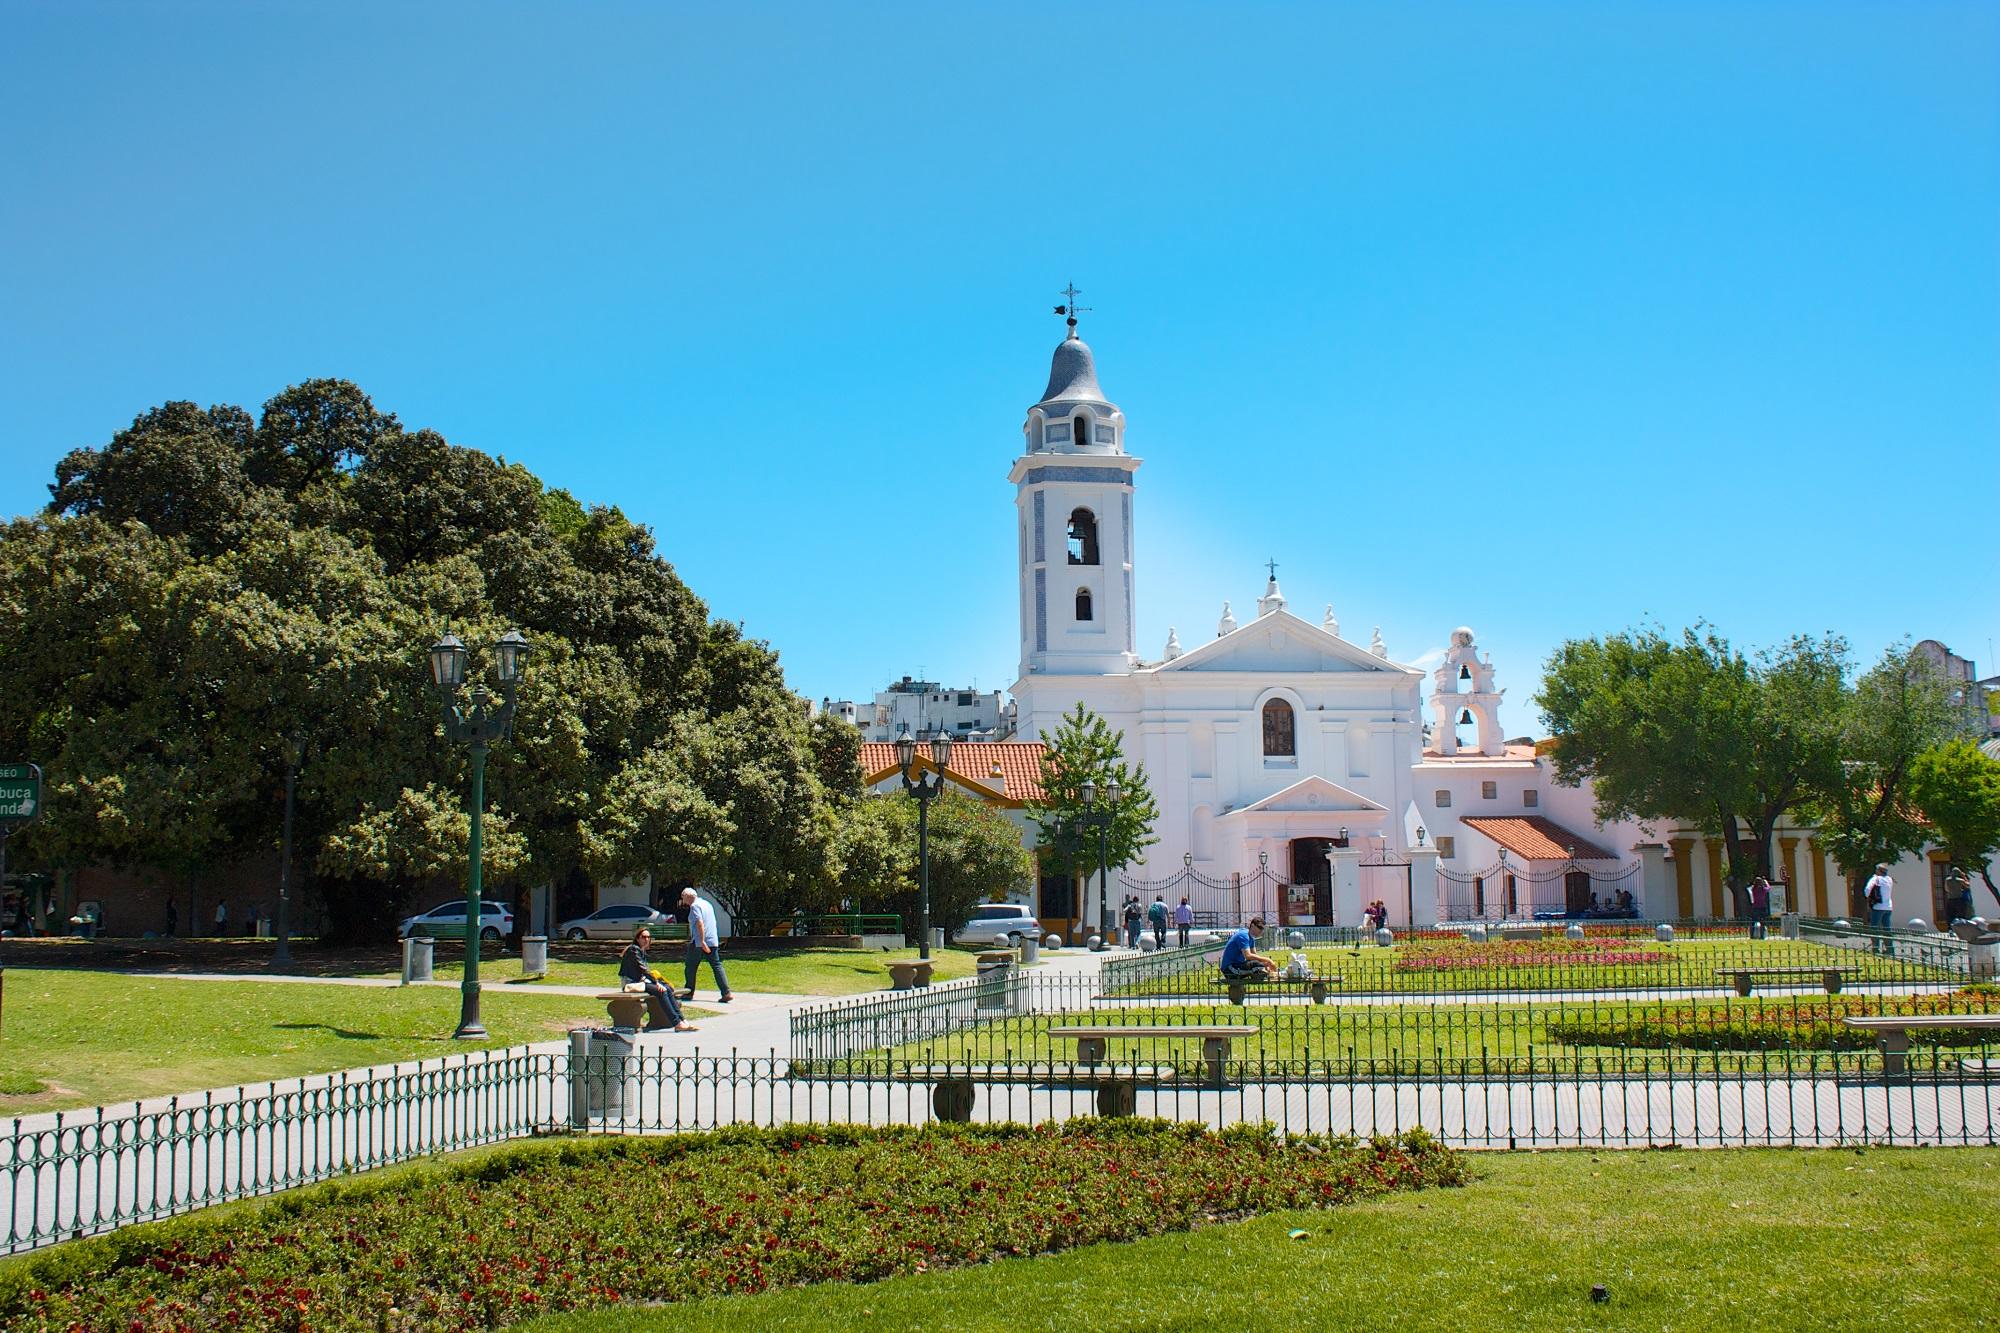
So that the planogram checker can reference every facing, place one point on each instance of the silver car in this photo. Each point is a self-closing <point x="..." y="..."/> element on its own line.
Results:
<point x="447" y="921"/>
<point x="1001" y="924"/>
<point x="616" y="922"/>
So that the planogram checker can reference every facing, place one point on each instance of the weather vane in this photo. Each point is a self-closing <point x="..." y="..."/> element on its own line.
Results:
<point x="1071" y="308"/>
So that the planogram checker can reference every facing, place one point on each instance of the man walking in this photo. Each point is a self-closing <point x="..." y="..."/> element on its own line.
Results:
<point x="1183" y="919"/>
<point x="703" y="943"/>
<point x="1157" y="915"/>
<point x="1881" y="895"/>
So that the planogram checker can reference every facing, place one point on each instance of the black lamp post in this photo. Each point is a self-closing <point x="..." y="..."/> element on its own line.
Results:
<point x="295" y="756"/>
<point x="1099" y="817"/>
<point x="477" y="723"/>
<point x="925" y="787"/>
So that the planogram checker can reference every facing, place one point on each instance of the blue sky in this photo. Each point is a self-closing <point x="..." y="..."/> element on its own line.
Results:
<point x="1541" y="318"/>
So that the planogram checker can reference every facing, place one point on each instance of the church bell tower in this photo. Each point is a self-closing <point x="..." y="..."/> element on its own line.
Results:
<point x="1073" y="501"/>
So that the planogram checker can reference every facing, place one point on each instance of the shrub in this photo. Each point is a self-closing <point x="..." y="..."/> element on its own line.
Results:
<point x="601" y="1222"/>
<point x="1801" y="1025"/>
<point x="1451" y="955"/>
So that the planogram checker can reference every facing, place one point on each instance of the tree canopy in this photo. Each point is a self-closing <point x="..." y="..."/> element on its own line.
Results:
<point x="1084" y="748"/>
<point x="1692" y="730"/>
<point x="207" y="585"/>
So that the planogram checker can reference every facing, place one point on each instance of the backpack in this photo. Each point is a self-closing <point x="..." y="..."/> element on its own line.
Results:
<point x="1874" y="892"/>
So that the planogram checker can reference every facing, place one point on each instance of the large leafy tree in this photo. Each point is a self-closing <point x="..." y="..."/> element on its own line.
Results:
<point x="1083" y="748"/>
<point x="1957" y="791"/>
<point x="1690" y="729"/>
<point x="208" y="587"/>
<point x="1897" y="711"/>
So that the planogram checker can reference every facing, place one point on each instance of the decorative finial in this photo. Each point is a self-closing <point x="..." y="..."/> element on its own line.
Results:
<point x="1173" y="643"/>
<point x="1227" y="625"/>
<point x="1330" y="625"/>
<point x="1377" y="647"/>
<point x="1070" y="307"/>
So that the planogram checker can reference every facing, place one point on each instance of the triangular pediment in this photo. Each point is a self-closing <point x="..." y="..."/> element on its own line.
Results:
<point x="1281" y="643"/>
<point x="1313" y="793"/>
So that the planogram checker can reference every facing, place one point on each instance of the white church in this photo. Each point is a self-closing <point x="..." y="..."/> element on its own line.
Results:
<point x="1294" y="769"/>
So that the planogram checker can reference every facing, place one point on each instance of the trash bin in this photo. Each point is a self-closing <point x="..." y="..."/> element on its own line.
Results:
<point x="534" y="955"/>
<point x="1031" y="951"/>
<point x="1788" y="925"/>
<point x="603" y="1076"/>
<point x="417" y="958"/>
<point x="937" y="937"/>
<point x="1982" y="956"/>
<point x="995" y="966"/>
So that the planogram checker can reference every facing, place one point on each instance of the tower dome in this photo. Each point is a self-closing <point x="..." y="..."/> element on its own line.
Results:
<point x="1073" y="376"/>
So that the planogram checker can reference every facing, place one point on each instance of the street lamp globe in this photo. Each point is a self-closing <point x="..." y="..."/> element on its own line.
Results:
<point x="941" y="752"/>
<point x="906" y="748"/>
<point x="510" y="657"/>
<point x="1090" y="791"/>
<point x="1113" y="791"/>
<point x="448" y="662"/>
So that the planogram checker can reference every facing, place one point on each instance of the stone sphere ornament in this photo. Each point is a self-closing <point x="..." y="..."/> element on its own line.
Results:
<point x="1096" y="944"/>
<point x="1575" y="931"/>
<point x="1384" y="937"/>
<point x="1054" y="941"/>
<point x="1664" y="933"/>
<point x="1147" y="944"/>
<point x="1298" y="939"/>
<point x="1477" y="934"/>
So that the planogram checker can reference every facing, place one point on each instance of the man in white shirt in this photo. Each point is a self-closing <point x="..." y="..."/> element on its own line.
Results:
<point x="703" y="943"/>
<point x="1881" y="895"/>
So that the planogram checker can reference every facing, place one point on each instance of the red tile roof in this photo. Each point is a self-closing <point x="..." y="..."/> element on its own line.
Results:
<point x="1535" y="838"/>
<point x="1019" y="762"/>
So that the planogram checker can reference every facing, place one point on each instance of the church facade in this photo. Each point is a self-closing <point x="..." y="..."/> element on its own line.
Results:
<point x="1277" y="749"/>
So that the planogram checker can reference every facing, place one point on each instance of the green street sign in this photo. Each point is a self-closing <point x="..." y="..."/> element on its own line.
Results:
<point x="20" y="793"/>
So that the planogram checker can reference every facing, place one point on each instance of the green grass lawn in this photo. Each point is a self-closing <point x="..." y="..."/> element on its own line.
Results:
<point x="1415" y="1037"/>
<point x="1770" y="1240"/>
<point x="807" y="972"/>
<point x="75" y="1038"/>
<point x="1538" y="966"/>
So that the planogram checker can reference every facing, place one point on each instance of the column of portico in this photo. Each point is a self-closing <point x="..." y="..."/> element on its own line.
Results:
<point x="1425" y="900"/>
<point x="1712" y="860"/>
<point x="1788" y="847"/>
<point x="1683" y="875"/>
<point x="1346" y="886"/>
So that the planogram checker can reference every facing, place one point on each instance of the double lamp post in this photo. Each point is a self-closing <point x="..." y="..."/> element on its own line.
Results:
<point x="925" y="787"/>
<point x="475" y="718"/>
<point x="1069" y="831"/>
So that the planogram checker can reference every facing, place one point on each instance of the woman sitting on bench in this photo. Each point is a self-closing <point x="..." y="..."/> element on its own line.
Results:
<point x="1240" y="961"/>
<point x="635" y="969"/>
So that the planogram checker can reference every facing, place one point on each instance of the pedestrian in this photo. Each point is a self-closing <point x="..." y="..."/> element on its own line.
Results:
<point x="1957" y="893"/>
<point x="635" y="970"/>
<point x="173" y="918"/>
<point x="1760" y="898"/>
<point x="1132" y="915"/>
<point x="221" y="917"/>
<point x="1157" y="914"/>
<point x="1183" y="920"/>
<point x="1880" y="891"/>
<point x="704" y="944"/>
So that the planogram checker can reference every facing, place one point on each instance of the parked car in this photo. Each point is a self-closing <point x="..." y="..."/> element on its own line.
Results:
<point x="1002" y="924"/>
<point x="616" y="922"/>
<point x="448" y="919"/>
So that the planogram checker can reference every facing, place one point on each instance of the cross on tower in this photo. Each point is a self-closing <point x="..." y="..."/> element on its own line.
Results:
<point x="1070" y="307"/>
<point x="1272" y="565"/>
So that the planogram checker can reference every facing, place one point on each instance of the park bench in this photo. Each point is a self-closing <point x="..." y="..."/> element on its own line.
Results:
<point x="910" y="974"/>
<point x="627" y="1009"/>
<point x="954" y="1086"/>
<point x="1892" y="1033"/>
<point x="1239" y="987"/>
<point x="1215" y="1041"/>
<point x="1745" y="977"/>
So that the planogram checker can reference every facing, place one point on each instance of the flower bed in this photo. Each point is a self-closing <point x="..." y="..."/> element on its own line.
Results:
<point x="1463" y="955"/>
<point x="609" y="1221"/>
<point x="1800" y="1025"/>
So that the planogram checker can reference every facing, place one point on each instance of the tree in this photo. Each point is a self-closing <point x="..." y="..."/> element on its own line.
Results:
<point x="1957" y="790"/>
<point x="1082" y="749"/>
<point x="1691" y="730"/>
<point x="1895" y="713"/>
<point x="206" y="586"/>
<point x="976" y="855"/>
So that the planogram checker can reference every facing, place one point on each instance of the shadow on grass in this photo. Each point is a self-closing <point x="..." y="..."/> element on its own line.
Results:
<point x="344" y="1034"/>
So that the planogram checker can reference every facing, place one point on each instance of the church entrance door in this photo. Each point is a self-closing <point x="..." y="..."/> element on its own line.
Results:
<point x="1310" y="866"/>
<point x="1576" y="892"/>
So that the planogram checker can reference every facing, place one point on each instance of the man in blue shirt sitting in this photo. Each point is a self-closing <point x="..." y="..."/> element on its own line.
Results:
<point x="1240" y="960"/>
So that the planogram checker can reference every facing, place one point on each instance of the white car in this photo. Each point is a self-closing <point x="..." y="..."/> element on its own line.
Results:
<point x="1002" y="924"/>
<point x="616" y="922"/>
<point x="447" y="920"/>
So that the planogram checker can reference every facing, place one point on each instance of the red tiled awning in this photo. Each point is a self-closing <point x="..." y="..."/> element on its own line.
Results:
<point x="1019" y="762"/>
<point x="1534" y="838"/>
